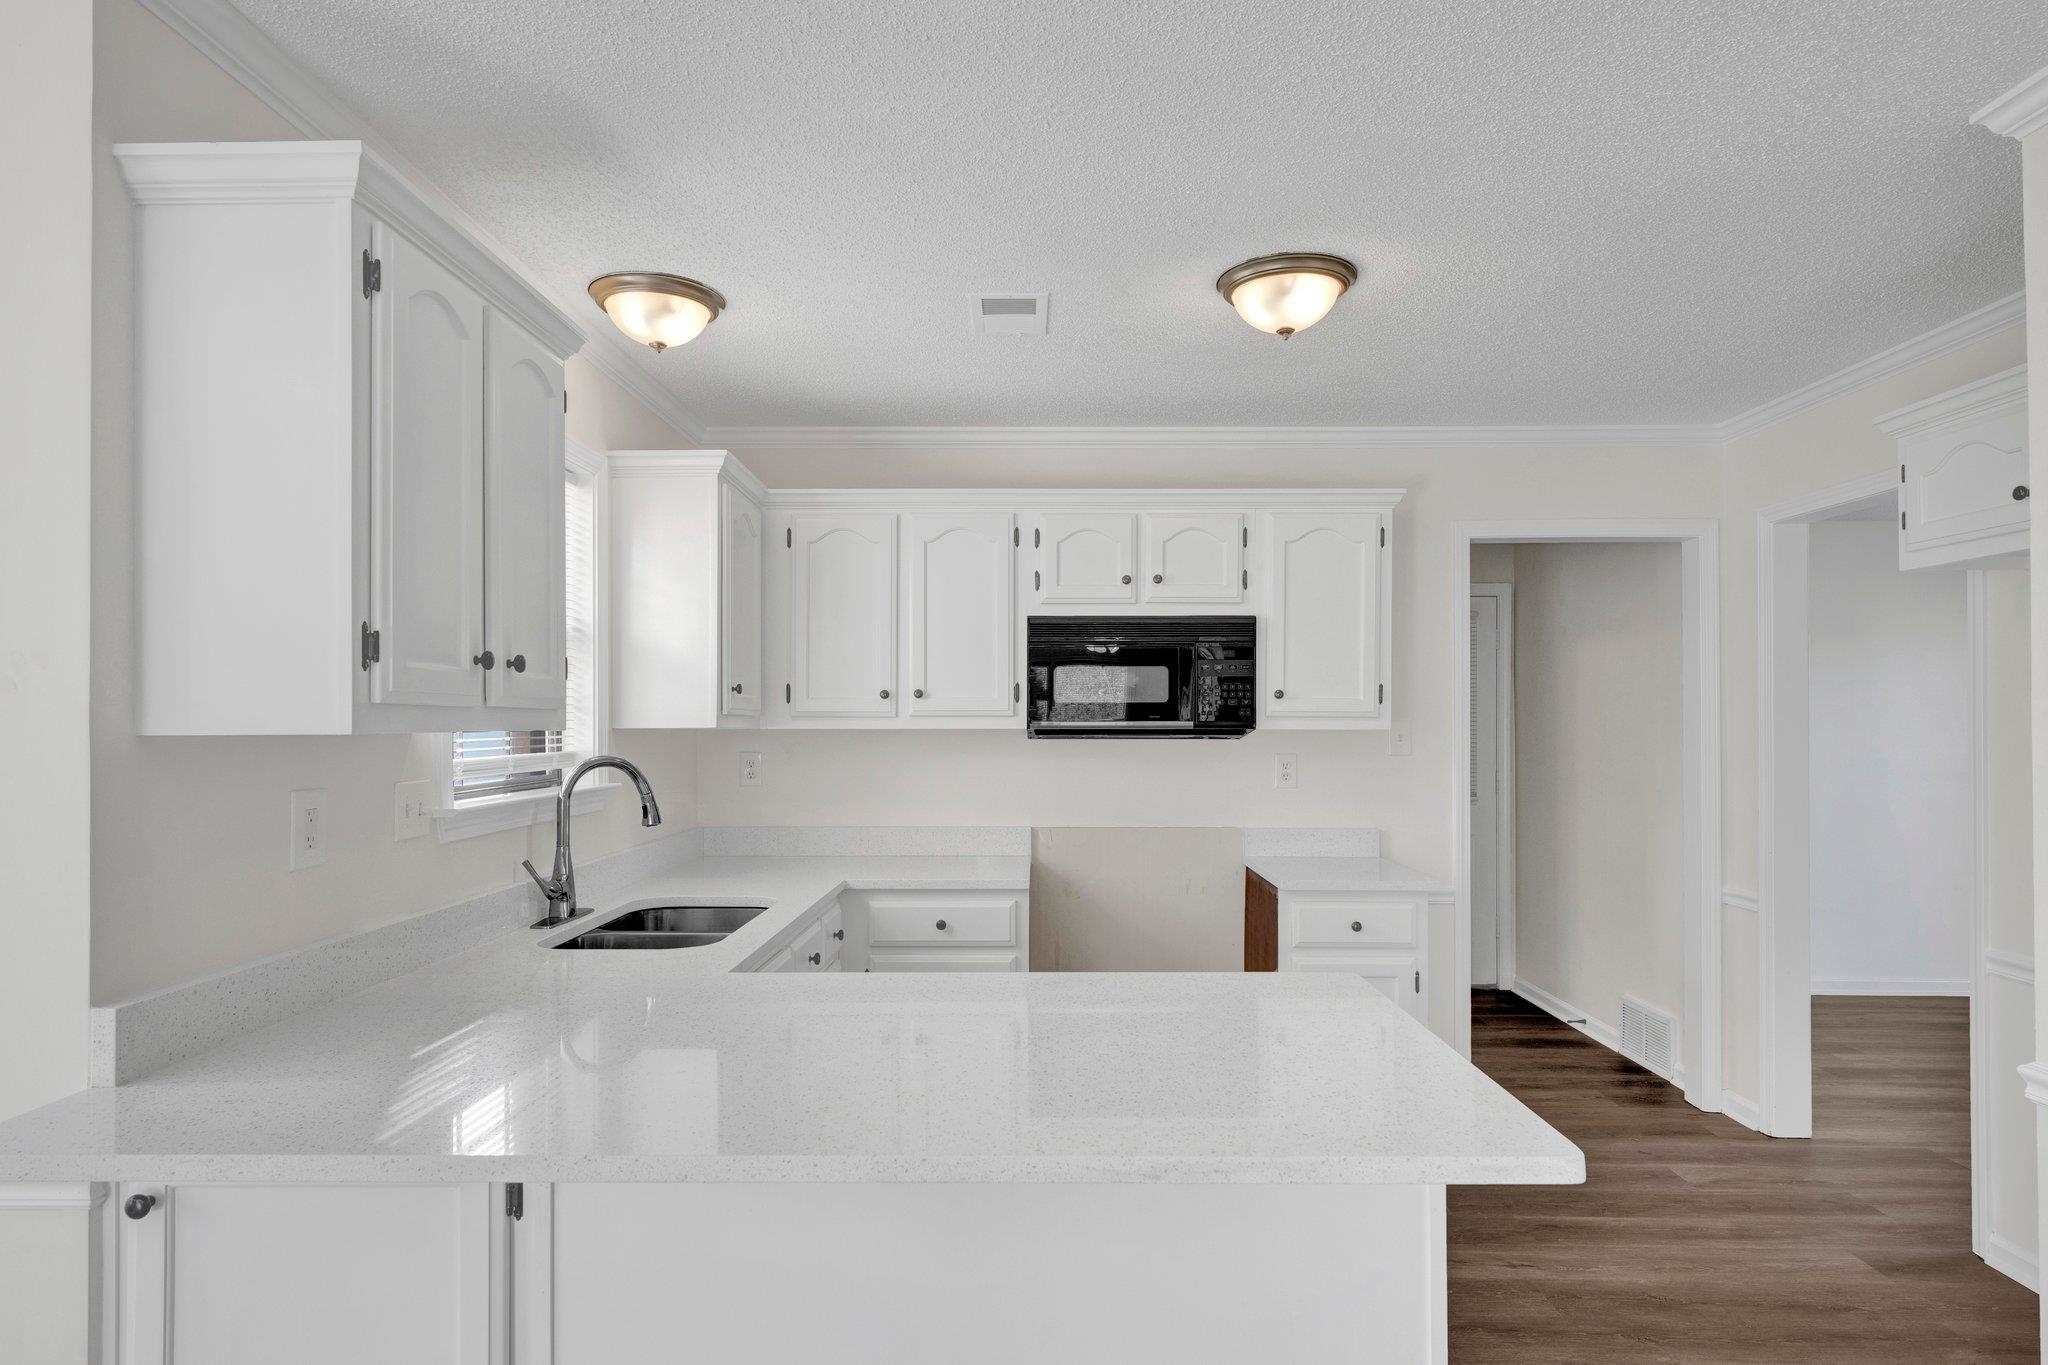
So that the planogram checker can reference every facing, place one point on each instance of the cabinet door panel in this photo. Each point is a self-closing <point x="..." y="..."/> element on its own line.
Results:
<point x="315" y="1275"/>
<point x="961" y="611"/>
<point x="1194" y="557"/>
<point x="1397" y="976"/>
<point x="1324" y="636"/>
<point x="740" y="536"/>
<point x="1960" y="480"/>
<point x="525" y="620"/>
<point x="1088" y="557"/>
<point x="426" y="483"/>
<point x="842" y="614"/>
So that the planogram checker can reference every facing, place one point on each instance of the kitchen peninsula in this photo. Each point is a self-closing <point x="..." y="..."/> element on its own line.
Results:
<point x="563" y="1152"/>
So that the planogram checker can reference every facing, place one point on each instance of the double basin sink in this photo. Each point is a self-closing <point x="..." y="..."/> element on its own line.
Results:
<point x="665" y="926"/>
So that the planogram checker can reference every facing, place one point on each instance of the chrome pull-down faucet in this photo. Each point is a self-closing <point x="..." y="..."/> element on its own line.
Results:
<point x="560" y="885"/>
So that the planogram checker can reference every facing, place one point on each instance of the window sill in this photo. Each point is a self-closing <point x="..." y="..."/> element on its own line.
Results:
<point x="516" y="811"/>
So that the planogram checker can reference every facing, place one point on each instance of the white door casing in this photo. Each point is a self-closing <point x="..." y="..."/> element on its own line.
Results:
<point x="426" y="482"/>
<point x="1194" y="557"/>
<point x="962" y="601"/>
<point x="525" y="614"/>
<point x="842" y="617"/>
<point x="1485" y="725"/>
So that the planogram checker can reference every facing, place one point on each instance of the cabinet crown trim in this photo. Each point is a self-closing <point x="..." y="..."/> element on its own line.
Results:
<point x="648" y="464"/>
<point x="1985" y="395"/>
<point x="1153" y="500"/>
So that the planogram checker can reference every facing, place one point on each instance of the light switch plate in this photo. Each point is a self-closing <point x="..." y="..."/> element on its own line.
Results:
<point x="750" y="768"/>
<point x="309" y="828"/>
<point x="1400" y="743"/>
<point x="412" y="809"/>
<point x="1286" y="775"/>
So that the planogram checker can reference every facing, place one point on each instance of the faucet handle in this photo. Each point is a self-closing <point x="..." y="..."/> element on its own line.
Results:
<point x="547" y="888"/>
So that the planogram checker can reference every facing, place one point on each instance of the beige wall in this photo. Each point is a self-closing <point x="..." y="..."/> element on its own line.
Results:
<point x="188" y="857"/>
<point x="1137" y="900"/>
<point x="46" y="388"/>
<point x="1600" y="776"/>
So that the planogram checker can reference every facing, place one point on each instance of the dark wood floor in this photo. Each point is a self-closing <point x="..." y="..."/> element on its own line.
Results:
<point x="1695" y="1239"/>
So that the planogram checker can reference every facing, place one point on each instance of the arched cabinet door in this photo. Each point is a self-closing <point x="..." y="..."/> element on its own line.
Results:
<point x="1324" y="641"/>
<point x="740" y="541"/>
<point x="962" y="598"/>
<point x="525" y="613"/>
<point x="1194" y="557"/>
<point x="427" y="484"/>
<point x="1088" y="557"/>
<point x="842" y="614"/>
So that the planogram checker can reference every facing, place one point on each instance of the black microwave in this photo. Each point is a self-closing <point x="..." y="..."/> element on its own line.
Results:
<point x="1167" y="677"/>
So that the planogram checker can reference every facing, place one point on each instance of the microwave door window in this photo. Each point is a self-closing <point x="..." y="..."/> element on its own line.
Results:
<point x="1113" y="692"/>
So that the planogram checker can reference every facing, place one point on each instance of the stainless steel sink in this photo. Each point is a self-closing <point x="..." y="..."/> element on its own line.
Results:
<point x="664" y="926"/>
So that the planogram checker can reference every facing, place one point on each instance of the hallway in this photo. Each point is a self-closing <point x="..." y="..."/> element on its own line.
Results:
<point x="1695" y="1239"/>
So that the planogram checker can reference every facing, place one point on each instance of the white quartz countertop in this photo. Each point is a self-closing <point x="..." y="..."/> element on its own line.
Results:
<point x="517" y="1062"/>
<point x="1293" y="873"/>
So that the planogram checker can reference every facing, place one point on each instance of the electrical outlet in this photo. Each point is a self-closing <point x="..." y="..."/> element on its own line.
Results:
<point x="309" y="828"/>
<point x="750" y="768"/>
<point x="412" y="809"/>
<point x="1400" y="743"/>
<point x="1285" y="775"/>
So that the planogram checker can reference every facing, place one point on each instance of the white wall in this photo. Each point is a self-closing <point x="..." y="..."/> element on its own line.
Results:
<point x="189" y="834"/>
<point x="2004" y="1011"/>
<point x="1889" y="701"/>
<point x="46" y="81"/>
<point x="1600" y="777"/>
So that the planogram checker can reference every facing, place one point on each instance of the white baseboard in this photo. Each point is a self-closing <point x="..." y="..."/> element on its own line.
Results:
<point x="2012" y="1262"/>
<point x="1744" y="1110"/>
<point x="1891" y="985"/>
<point x="1598" y="1030"/>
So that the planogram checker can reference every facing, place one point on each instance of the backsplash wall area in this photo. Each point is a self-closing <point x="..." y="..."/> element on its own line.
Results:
<point x="1137" y="900"/>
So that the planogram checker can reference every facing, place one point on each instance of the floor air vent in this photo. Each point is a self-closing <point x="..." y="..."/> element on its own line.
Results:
<point x="1649" y="1037"/>
<point x="1008" y="314"/>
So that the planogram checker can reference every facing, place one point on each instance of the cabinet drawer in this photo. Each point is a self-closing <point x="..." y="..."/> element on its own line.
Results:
<point x="941" y="921"/>
<point x="1351" y="922"/>
<point x="926" y="961"/>
<point x="811" y="943"/>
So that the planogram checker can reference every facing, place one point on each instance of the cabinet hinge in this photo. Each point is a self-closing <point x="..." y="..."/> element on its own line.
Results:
<point x="373" y="273"/>
<point x="515" y="1201"/>
<point x="1902" y="521"/>
<point x="1034" y="580"/>
<point x="372" y="646"/>
<point x="1902" y="473"/>
<point x="1244" y="578"/>
<point x="1244" y="536"/>
<point x="1383" y="537"/>
<point x="788" y="538"/>
<point x="785" y="694"/>
<point x="1383" y="694"/>
<point x="1418" y="982"/>
<point x="1034" y="537"/>
<point x="1016" y="537"/>
<point x="565" y="400"/>
<point x="1016" y="692"/>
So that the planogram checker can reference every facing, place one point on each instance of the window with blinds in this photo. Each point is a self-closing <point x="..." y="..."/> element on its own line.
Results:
<point x="490" y="763"/>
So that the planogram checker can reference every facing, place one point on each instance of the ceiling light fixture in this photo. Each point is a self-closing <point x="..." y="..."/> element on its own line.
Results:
<point x="1288" y="293"/>
<point x="657" y="310"/>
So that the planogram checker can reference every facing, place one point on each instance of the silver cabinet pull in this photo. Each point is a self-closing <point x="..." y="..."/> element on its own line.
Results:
<point x="487" y="659"/>
<point x="885" y="694"/>
<point x="1127" y="578"/>
<point x="517" y="663"/>
<point x="816" y="959"/>
<point x="917" y="692"/>
<point x="942" y="924"/>
<point x="736" y="689"/>
<point x="1159" y="578"/>
<point x="139" y="1205"/>
<point x="1278" y="693"/>
<point x="1357" y="928"/>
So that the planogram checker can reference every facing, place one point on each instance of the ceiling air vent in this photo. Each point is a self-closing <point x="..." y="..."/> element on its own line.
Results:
<point x="1014" y="315"/>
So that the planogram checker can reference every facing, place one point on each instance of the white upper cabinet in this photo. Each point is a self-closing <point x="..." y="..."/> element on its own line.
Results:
<point x="1963" y="494"/>
<point x="1326" y="637"/>
<point x="962" y="626"/>
<point x="1088" y="557"/>
<point x="426" y="483"/>
<point x="525" y="616"/>
<point x="842" y="613"/>
<point x="1194" y="557"/>
<point x="686" y="600"/>
<point x="740" y="537"/>
<point x="348" y="453"/>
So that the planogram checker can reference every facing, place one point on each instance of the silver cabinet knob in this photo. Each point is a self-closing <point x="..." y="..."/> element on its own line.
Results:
<point x="1159" y="578"/>
<point x="917" y="692"/>
<point x="1127" y="578"/>
<point x="736" y="689"/>
<point x="816" y="959"/>
<point x="1357" y="928"/>
<point x="885" y="694"/>
<point x="2022" y="493"/>
<point x="487" y="659"/>
<point x="942" y="924"/>
<point x="517" y="663"/>
<point x="139" y="1205"/>
<point x="1278" y="693"/>
<point x="839" y="934"/>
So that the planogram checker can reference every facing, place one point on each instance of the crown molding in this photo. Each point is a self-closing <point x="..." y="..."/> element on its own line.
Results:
<point x="2020" y="110"/>
<point x="1966" y="330"/>
<point x="226" y="38"/>
<point x="1377" y="438"/>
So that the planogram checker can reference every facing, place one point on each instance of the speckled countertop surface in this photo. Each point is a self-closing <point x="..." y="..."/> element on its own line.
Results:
<point x="1288" y="873"/>
<point x="515" y="1062"/>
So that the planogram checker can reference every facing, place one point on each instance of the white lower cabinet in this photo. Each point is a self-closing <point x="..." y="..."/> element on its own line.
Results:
<point x="942" y="931"/>
<point x="816" y="944"/>
<point x="1381" y="938"/>
<point x="311" y="1274"/>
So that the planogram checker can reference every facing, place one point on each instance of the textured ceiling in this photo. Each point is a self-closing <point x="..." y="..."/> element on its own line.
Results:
<point x="1568" y="212"/>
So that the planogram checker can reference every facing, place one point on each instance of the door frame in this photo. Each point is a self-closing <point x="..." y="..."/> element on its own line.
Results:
<point x="1699" y="547"/>
<point x="1504" y="803"/>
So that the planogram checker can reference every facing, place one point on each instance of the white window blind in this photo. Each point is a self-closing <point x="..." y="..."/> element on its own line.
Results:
<point x="499" y="762"/>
